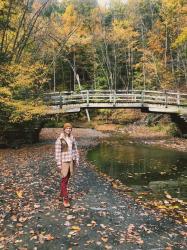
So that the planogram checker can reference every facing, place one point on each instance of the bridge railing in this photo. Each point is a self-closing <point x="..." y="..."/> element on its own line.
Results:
<point x="119" y="96"/>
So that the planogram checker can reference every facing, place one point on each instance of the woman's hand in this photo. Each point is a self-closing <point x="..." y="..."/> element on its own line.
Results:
<point x="59" y="168"/>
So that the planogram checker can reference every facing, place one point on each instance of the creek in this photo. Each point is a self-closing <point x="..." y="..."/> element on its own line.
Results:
<point x="145" y="168"/>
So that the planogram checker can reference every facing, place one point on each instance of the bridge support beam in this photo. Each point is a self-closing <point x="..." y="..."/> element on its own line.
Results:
<point x="88" y="115"/>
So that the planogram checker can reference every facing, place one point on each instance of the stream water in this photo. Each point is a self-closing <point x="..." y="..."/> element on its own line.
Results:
<point x="142" y="167"/>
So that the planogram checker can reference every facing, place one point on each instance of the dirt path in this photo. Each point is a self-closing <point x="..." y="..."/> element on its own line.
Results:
<point x="100" y="217"/>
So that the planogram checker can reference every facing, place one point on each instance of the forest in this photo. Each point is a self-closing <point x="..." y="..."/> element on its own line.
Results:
<point x="128" y="191"/>
<point x="50" y="45"/>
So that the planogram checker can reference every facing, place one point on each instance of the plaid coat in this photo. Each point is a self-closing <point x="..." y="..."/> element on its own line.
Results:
<point x="62" y="153"/>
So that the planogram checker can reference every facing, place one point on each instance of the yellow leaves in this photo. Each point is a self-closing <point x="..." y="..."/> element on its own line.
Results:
<point x="96" y="21"/>
<point x="171" y="15"/>
<point x="19" y="193"/>
<point x="63" y="25"/>
<point x="27" y="75"/>
<point x="5" y="92"/>
<point x="13" y="22"/>
<point x="74" y="231"/>
<point x="3" y="4"/>
<point x="42" y="237"/>
<point x="92" y="224"/>
<point x="172" y="207"/>
<point x="70" y="17"/>
<point x="19" y="28"/>
<point x="75" y="228"/>
<point x="169" y="10"/>
<point x="22" y="80"/>
<point x="123" y="31"/>
<point x="161" y="207"/>
<point x="170" y="4"/>
<point x="181" y="39"/>
<point x="155" y="44"/>
<point x="25" y="111"/>
<point x="121" y="23"/>
<point x="68" y="27"/>
<point x="185" y="219"/>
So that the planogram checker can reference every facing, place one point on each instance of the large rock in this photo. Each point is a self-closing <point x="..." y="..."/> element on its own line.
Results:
<point x="172" y="185"/>
<point x="17" y="136"/>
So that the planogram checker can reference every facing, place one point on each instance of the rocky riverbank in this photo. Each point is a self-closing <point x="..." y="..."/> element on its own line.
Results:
<point x="146" y="135"/>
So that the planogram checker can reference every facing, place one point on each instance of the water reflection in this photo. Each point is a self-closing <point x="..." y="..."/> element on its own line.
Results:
<point x="142" y="166"/>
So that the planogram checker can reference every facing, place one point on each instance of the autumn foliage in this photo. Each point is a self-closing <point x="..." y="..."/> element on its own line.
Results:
<point x="22" y="74"/>
<point x="68" y="45"/>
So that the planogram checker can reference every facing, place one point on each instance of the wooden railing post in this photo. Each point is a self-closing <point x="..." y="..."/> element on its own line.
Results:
<point x="64" y="99"/>
<point x="110" y="96"/>
<point x="87" y="97"/>
<point x="142" y="97"/>
<point x="166" y="99"/>
<point x="178" y="99"/>
<point x="114" y="97"/>
<point x="60" y="100"/>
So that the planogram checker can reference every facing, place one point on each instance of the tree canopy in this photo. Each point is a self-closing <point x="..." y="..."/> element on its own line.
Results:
<point x="67" y="45"/>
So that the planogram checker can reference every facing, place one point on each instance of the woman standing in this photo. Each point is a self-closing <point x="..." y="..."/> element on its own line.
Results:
<point x="67" y="156"/>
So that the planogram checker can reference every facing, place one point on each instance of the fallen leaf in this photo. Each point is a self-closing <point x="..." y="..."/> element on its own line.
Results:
<point x="88" y="242"/>
<point x="22" y="219"/>
<point x="70" y="217"/>
<point x="19" y="225"/>
<point x="36" y="205"/>
<point x="98" y="243"/>
<point x="104" y="238"/>
<point x="67" y="224"/>
<point x="76" y="228"/>
<point x="183" y="233"/>
<point x="19" y="193"/>
<point x="49" y="237"/>
<point x="108" y="247"/>
<point x="13" y="218"/>
<point x="34" y="237"/>
<point x="102" y="226"/>
<point x="18" y="241"/>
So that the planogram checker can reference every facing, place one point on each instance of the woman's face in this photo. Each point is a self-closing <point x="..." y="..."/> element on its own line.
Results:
<point x="68" y="130"/>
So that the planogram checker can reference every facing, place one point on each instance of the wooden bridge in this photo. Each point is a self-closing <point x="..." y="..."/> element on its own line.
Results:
<point x="149" y="101"/>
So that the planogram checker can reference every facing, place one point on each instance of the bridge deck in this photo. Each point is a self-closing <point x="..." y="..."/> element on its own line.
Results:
<point x="154" y="101"/>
